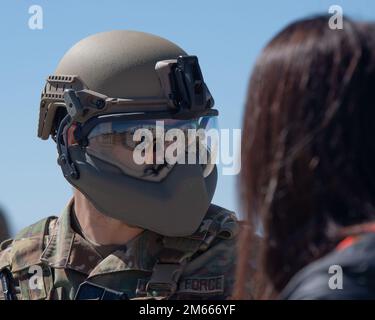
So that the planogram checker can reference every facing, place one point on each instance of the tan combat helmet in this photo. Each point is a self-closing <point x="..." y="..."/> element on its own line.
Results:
<point x="114" y="78"/>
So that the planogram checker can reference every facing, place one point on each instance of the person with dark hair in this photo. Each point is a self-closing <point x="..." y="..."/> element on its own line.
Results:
<point x="4" y="228"/>
<point x="308" y="155"/>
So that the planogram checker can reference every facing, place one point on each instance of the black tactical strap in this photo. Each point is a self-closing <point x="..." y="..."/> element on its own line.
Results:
<point x="9" y="285"/>
<point x="167" y="272"/>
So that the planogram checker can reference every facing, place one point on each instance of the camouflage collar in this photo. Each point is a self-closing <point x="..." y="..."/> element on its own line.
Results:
<point x="69" y="250"/>
<point x="140" y="254"/>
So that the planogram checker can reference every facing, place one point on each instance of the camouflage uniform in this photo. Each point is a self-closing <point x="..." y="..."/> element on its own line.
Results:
<point x="49" y="260"/>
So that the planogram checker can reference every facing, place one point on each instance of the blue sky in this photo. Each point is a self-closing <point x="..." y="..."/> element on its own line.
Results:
<point x="225" y="35"/>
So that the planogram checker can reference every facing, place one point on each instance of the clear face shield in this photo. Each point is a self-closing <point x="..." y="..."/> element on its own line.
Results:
<point x="149" y="148"/>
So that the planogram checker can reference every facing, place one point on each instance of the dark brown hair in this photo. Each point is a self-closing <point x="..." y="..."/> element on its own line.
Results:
<point x="308" y="155"/>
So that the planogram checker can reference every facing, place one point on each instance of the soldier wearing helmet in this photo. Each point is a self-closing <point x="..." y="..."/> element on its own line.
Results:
<point x="132" y="230"/>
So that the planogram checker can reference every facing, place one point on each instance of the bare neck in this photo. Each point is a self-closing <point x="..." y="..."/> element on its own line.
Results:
<point x="99" y="228"/>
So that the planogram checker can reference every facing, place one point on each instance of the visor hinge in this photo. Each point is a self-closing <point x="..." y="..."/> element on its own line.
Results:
<point x="69" y="169"/>
<point x="73" y="105"/>
<point x="83" y="104"/>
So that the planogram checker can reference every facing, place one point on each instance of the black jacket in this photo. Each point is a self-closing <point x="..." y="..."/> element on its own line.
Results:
<point x="358" y="271"/>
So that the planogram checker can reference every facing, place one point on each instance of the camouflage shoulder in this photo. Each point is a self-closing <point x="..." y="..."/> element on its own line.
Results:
<point x="226" y="221"/>
<point x="26" y="247"/>
<point x="211" y="273"/>
<point x="40" y="227"/>
<point x="5" y="259"/>
<point x="220" y="255"/>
